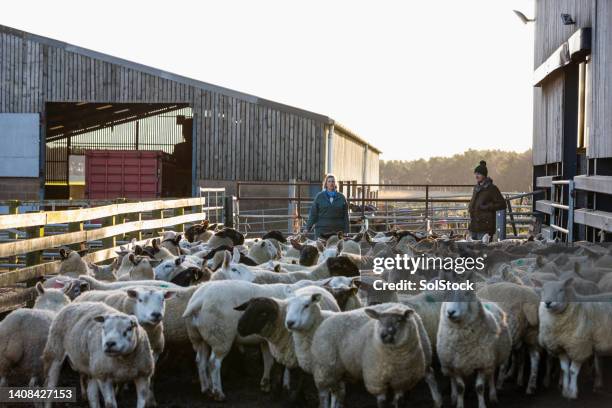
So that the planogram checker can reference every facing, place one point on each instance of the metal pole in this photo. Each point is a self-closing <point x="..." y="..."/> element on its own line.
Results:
<point x="570" y="212"/>
<point x="291" y="206"/>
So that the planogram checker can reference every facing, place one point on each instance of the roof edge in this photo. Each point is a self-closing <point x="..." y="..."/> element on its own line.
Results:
<point x="161" y="73"/>
<point x="355" y="136"/>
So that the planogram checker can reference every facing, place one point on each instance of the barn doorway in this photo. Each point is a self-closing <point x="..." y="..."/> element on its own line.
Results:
<point x="107" y="150"/>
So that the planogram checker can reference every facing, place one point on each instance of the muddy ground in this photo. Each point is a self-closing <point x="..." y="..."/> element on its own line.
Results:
<point x="177" y="386"/>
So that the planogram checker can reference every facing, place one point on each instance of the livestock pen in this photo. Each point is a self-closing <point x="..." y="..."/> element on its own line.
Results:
<point x="175" y="383"/>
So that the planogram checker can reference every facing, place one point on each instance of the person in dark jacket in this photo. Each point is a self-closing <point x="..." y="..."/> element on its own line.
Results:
<point x="329" y="210"/>
<point x="486" y="201"/>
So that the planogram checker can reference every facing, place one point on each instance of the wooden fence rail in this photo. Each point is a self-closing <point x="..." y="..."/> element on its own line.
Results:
<point x="118" y="219"/>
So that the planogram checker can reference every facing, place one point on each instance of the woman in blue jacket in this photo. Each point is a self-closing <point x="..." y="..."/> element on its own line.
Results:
<point x="329" y="210"/>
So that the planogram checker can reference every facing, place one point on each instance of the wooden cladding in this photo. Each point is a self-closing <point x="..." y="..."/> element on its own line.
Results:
<point x="237" y="136"/>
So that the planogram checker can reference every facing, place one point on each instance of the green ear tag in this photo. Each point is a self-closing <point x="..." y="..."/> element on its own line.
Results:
<point x="487" y="306"/>
<point x="519" y="262"/>
<point x="164" y="286"/>
<point x="429" y="299"/>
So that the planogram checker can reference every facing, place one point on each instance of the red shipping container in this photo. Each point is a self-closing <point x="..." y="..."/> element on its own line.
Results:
<point x="132" y="174"/>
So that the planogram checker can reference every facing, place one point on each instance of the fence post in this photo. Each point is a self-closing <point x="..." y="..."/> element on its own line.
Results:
<point x="34" y="258"/>
<point x="75" y="227"/>
<point x="13" y="209"/>
<point x="109" y="242"/>
<point x="228" y="211"/>
<point x="178" y="212"/>
<point x="570" y="212"/>
<point x="291" y="208"/>
<point x="158" y="215"/>
<point x="500" y="221"/>
<point x="427" y="202"/>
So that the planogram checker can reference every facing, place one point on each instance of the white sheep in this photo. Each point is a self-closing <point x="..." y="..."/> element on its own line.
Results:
<point x="385" y="345"/>
<point x="520" y="304"/>
<point x="265" y="316"/>
<point x="212" y="324"/>
<point x="575" y="328"/>
<point x="103" y="345"/>
<point x="72" y="264"/>
<point x="23" y="334"/>
<point x="336" y="266"/>
<point x="147" y="304"/>
<point x="473" y="338"/>
<point x="135" y="267"/>
<point x="95" y="284"/>
<point x="264" y="251"/>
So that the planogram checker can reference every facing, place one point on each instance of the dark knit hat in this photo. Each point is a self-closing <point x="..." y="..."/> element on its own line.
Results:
<point x="482" y="168"/>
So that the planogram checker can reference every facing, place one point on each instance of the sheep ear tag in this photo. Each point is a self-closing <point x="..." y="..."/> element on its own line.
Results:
<point x="487" y="306"/>
<point x="429" y="299"/>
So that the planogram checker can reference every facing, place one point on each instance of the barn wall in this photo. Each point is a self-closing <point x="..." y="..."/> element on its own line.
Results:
<point x="373" y="169"/>
<point x="348" y="156"/>
<point x="237" y="138"/>
<point x="550" y="32"/>
<point x="600" y="143"/>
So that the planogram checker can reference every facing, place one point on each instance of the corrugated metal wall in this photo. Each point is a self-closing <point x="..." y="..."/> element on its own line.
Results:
<point x="238" y="138"/>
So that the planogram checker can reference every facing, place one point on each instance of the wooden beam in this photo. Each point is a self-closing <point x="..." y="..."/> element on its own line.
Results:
<point x="41" y="243"/>
<point x="575" y="49"/>
<point x="597" y="184"/>
<point x="544" y="206"/>
<point x="59" y="217"/>
<point x="594" y="218"/>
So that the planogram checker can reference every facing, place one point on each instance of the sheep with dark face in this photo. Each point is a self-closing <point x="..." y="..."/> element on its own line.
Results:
<point x="72" y="264"/>
<point x="213" y="259"/>
<point x="227" y="236"/>
<point x="265" y="317"/>
<point x="198" y="232"/>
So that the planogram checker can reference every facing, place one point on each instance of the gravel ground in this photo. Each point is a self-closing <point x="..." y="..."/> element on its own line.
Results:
<point x="177" y="386"/>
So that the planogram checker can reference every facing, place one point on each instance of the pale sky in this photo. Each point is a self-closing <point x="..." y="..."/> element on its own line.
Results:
<point x="415" y="78"/>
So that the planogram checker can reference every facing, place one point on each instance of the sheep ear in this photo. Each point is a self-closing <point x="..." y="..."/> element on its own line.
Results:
<point x="293" y="262"/>
<point x="540" y="261"/>
<point x="536" y="283"/>
<point x="40" y="288"/>
<point x="315" y="298"/>
<point x="341" y="234"/>
<point x="169" y="293"/>
<point x="372" y="313"/>
<point x="155" y="243"/>
<point x="242" y="307"/>
<point x="353" y="290"/>
<point x="99" y="319"/>
<point x="407" y="313"/>
<point x="132" y="293"/>
<point x="84" y="286"/>
<point x="326" y="283"/>
<point x="320" y="245"/>
<point x="295" y="244"/>
<point x="227" y="259"/>
<point x="178" y="238"/>
<point x="134" y="321"/>
<point x="177" y="261"/>
<point x="340" y="246"/>
<point x="138" y="250"/>
<point x="132" y="259"/>
<point x="277" y="268"/>
<point x="568" y="282"/>
<point x="62" y="253"/>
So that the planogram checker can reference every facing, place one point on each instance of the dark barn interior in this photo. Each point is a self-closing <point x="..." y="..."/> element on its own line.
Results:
<point x="73" y="129"/>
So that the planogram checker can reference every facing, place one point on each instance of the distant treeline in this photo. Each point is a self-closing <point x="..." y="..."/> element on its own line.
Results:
<point x="511" y="171"/>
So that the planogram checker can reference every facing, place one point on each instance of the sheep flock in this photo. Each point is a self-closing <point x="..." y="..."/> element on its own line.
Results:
<point x="309" y="317"/>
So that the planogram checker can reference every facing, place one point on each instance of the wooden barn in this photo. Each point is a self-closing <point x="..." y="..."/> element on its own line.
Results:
<point x="572" y="135"/>
<point x="60" y="102"/>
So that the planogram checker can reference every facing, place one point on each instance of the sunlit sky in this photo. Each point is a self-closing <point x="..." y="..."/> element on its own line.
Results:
<point x="415" y="78"/>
